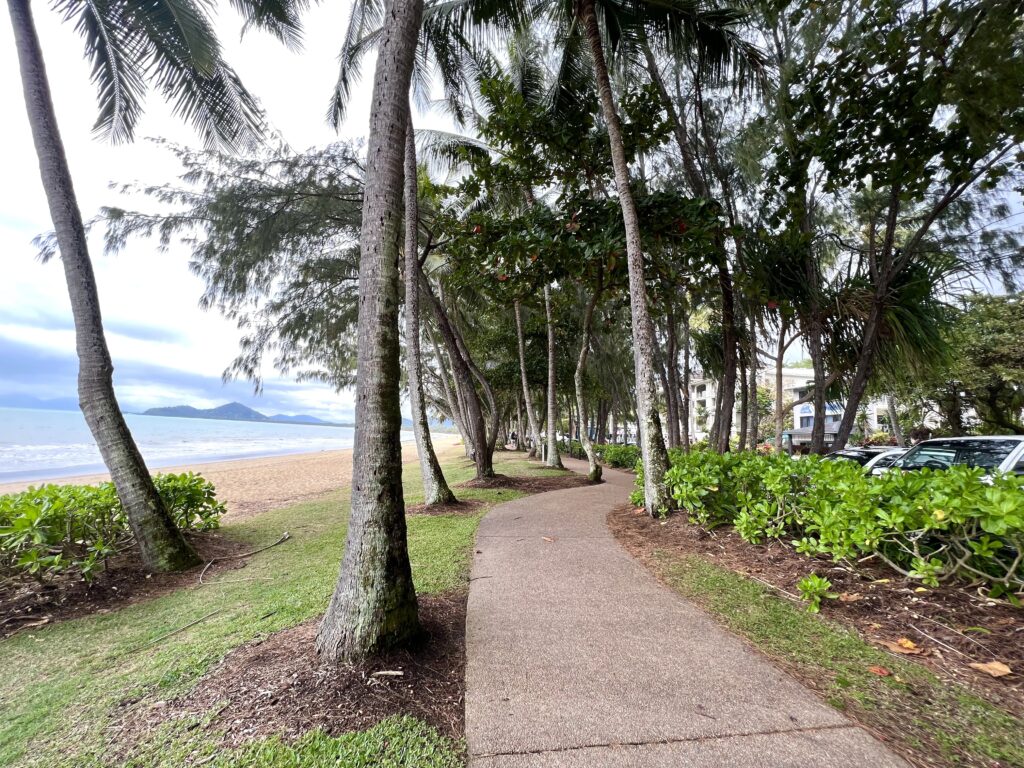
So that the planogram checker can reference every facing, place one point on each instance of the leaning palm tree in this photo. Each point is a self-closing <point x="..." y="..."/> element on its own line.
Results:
<point x="130" y="44"/>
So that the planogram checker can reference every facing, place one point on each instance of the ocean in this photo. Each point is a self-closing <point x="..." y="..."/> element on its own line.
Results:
<point x="39" y="444"/>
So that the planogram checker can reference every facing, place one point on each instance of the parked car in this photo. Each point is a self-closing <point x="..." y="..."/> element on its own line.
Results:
<point x="884" y="460"/>
<point x="996" y="453"/>
<point x="861" y="455"/>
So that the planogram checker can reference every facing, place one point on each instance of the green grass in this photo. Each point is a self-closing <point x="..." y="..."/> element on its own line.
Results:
<point x="933" y="715"/>
<point x="63" y="684"/>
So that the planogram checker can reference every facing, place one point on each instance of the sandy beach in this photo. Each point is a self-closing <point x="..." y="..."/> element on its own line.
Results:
<point x="250" y="486"/>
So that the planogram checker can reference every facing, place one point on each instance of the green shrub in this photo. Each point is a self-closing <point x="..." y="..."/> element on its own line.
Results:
<point x="931" y="525"/>
<point x="616" y="455"/>
<point x="56" y="528"/>
<point x="813" y="588"/>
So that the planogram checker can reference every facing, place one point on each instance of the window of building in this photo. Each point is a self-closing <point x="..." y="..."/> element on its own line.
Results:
<point x="806" y="421"/>
<point x="701" y="389"/>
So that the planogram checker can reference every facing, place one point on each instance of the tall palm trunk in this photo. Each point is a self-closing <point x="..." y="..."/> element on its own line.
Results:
<point x="374" y="602"/>
<point x="435" y="487"/>
<point x="531" y="414"/>
<point x="553" y="459"/>
<point x="161" y="544"/>
<point x="894" y="420"/>
<point x="594" y="472"/>
<point x="684" y="405"/>
<point x="449" y="397"/>
<point x="652" y="445"/>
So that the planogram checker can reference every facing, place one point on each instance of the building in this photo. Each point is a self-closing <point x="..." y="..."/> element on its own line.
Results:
<point x="796" y="382"/>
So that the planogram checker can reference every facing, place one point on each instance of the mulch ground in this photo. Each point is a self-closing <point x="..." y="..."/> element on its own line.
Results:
<point x="279" y="685"/>
<point x="28" y="603"/>
<point x="530" y="484"/>
<point x="951" y="626"/>
<point x="464" y="507"/>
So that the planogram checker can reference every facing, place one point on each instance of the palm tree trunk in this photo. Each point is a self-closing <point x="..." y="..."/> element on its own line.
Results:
<point x="161" y="544"/>
<point x="894" y="420"/>
<point x="435" y="487"/>
<point x="531" y="414"/>
<point x="780" y="415"/>
<point x="464" y="388"/>
<point x="374" y="602"/>
<point x="594" y="472"/>
<point x="553" y="459"/>
<point x="652" y="445"/>
<point x="449" y="397"/>
<point x="753" y="413"/>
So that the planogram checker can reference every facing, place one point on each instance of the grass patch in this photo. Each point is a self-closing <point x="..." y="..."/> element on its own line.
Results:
<point x="64" y="684"/>
<point x="912" y="706"/>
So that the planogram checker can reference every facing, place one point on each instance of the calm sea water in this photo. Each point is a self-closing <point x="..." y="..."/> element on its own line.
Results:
<point x="36" y="444"/>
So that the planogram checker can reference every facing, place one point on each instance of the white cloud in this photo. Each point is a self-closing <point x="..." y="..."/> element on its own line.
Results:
<point x="143" y="285"/>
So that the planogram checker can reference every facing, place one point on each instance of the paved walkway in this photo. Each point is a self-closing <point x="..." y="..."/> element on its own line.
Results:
<point x="577" y="657"/>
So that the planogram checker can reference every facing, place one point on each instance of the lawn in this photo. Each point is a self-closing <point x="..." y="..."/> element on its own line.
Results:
<point x="65" y="685"/>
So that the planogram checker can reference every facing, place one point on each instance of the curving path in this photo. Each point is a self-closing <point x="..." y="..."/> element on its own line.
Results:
<point x="578" y="657"/>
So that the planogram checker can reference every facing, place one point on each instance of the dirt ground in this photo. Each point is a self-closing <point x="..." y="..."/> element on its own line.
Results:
<point x="950" y="627"/>
<point x="279" y="686"/>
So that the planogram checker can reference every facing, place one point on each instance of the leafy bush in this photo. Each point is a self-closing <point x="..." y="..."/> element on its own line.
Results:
<point x="56" y="528"/>
<point x="621" y="456"/>
<point x="813" y="588"/>
<point x="931" y="525"/>
<point x="880" y="438"/>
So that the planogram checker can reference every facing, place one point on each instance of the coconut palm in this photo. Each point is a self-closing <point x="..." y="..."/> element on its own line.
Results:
<point x="374" y="602"/>
<point x="131" y="44"/>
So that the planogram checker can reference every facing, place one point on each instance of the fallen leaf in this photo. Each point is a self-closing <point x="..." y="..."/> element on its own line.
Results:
<point x="898" y="648"/>
<point x="908" y="644"/>
<point x="388" y="673"/>
<point x="547" y="538"/>
<point x="920" y="589"/>
<point x="880" y="671"/>
<point x="850" y="597"/>
<point x="993" y="668"/>
<point x="881" y="581"/>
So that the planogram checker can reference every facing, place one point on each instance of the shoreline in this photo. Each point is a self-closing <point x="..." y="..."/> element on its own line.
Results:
<point x="255" y="484"/>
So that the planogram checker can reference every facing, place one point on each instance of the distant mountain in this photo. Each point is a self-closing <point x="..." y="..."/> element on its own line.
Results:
<point x="236" y="412"/>
<point x="27" y="401"/>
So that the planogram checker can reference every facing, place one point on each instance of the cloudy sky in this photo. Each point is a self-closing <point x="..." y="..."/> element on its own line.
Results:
<point x="166" y="350"/>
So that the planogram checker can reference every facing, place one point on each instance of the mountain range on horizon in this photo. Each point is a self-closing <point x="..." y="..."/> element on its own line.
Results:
<point x="238" y="412"/>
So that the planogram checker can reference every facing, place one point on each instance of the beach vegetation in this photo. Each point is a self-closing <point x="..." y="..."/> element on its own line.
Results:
<point x="76" y="529"/>
<point x="931" y="526"/>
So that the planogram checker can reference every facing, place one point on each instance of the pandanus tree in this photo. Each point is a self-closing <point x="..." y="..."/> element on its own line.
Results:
<point x="374" y="602"/>
<point x="131" y="44"/>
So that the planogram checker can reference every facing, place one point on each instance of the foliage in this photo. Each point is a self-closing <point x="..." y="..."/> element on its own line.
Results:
<point x="930" y="525"/>
<point x="618" y="455"/>
<point x="813" y="588"/>
<point x="75" y="528"/>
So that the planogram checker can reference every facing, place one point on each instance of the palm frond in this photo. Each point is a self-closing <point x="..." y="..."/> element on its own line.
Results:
<point x="361" y="35"/>
<point x="278" y="17"/>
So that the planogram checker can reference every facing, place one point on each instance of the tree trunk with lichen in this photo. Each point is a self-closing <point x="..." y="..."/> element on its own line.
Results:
<point x="594" y="468"/>
<point x="373" y="607"/>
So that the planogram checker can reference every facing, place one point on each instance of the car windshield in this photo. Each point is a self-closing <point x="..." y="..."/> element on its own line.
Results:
<point x="860" y="457"/>
<point x="942" y="454"/>
<point x="888" y="461"/>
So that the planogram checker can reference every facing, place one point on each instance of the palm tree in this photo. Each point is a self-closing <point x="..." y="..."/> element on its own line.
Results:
<point x="679" y="24"/>
<point x="435" y="487"/>
<point x="130" y="43"/>
<point x="553" y="459"/>
<point x="374" y="603"/>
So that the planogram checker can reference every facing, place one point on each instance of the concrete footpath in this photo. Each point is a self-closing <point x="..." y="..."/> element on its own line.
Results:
<point x="578" y="657"/>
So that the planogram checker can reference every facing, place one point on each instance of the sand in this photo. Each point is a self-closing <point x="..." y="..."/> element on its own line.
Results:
<point x="251" y="486"/>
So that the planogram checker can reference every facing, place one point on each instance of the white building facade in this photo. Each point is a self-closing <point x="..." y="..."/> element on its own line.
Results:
<point x="796" y="382"/>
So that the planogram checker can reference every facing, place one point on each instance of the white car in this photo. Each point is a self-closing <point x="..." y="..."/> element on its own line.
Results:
<point x="995" y="453"/>
<point x="883" y="461"/>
